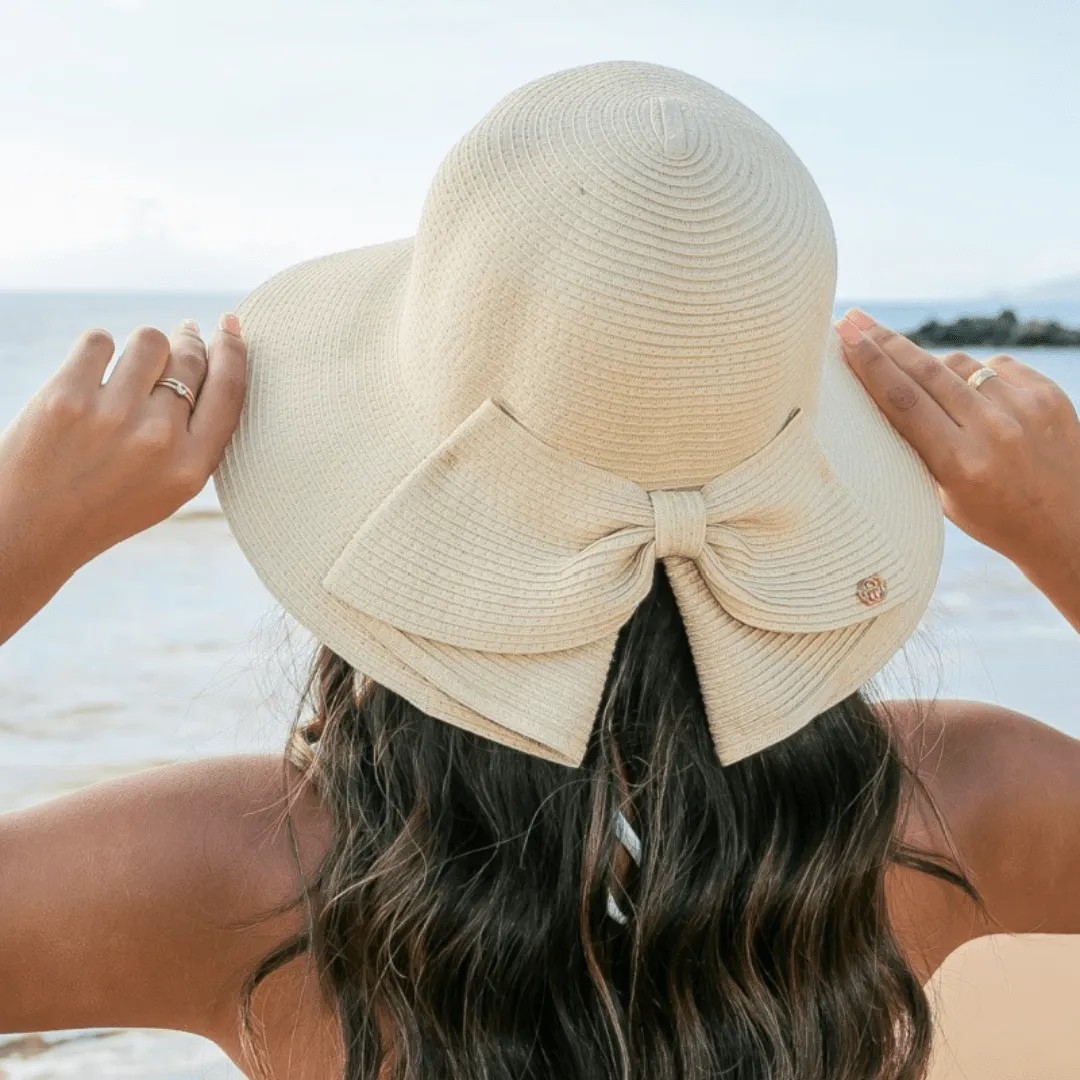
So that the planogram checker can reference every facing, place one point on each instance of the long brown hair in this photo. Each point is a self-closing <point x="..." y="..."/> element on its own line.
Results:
<point x="459" y="918"/>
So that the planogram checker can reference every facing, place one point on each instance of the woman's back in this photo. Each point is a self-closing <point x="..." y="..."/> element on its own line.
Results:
<point x="200" y="849"/>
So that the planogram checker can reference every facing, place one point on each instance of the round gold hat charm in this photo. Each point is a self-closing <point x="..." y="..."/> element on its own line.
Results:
<point x="871" y="590"/>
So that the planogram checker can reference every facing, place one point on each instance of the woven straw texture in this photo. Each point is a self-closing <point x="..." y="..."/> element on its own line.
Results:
<point x="608" y="343"/>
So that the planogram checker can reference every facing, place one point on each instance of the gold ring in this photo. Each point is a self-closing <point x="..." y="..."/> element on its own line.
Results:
<point x="980" y="375"/>
<point x="179" y="388"/>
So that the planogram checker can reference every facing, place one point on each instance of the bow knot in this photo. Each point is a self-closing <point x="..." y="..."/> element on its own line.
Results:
<point x="680" y="522"/>
<point x="501" y="570"/>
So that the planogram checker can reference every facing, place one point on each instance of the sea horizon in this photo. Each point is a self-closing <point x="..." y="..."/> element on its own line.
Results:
<point x="98" y="306"/>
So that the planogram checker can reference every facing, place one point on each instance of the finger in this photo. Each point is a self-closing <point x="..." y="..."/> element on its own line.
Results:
<point x="1017" y="373"/>
<point x="88" y="360"/>
<point x="910" y="409"/>
<point x="963" y="364"/>
<point x="997" y="391"/>
<point x="1001" y="392"/>
<point x="187" y="362"/>
<point x="144" y="357"/>
<point x="940" y="380"/>
<point x="1010" y="369"/>
<point x="222" y="397"/>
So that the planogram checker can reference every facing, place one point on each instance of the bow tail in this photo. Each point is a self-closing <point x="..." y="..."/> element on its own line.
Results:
<point x="759" y="686"/>
<point x="546" y="703"/>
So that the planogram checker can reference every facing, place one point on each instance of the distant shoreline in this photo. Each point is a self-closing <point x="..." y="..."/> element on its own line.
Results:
<point x="1000" y="331"/>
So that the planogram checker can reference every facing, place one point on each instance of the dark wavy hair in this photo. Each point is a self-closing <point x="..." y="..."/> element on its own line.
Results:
<point x="459" y="919"/>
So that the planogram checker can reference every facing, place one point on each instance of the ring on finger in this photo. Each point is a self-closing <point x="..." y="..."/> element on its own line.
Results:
<point x="980" y="375"/>
<point x="180" y="388"/>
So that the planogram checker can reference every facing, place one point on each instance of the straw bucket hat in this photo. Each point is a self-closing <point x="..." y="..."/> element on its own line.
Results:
<point x="609" y="343"/>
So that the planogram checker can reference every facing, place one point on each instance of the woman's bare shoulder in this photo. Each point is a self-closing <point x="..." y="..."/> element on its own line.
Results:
<point x="976" y="757"/>
<point x="1007" y="788"/>
<point x="950" y="742"/>
<point x="109" y="888"/>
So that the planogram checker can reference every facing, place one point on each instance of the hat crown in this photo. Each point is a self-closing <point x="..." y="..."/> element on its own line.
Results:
<point x="463" y="453"/>
<point x="631" y="260"/>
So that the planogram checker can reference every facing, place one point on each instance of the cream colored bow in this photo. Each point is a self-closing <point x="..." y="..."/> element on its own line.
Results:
<point x="499" y="546"/>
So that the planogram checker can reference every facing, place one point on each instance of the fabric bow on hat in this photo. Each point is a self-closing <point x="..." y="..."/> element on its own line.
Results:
<point x="498" y="544"/>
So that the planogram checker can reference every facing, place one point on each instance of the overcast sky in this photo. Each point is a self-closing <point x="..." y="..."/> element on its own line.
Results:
<point x="198" y="145"/>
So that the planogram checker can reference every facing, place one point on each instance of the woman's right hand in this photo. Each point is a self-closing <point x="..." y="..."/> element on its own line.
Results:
<point x="1006" y="457"/>
<point x="89" y="463"/>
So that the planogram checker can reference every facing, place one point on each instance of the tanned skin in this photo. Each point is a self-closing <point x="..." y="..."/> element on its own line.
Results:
<point x="138" y="902"/>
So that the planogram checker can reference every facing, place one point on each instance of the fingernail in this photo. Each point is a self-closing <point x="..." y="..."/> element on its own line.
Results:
<point x="860" y="319"/>
<point x="230" y="323"/>
<point x="849" y="333"/>
<point x="191" y="326"/>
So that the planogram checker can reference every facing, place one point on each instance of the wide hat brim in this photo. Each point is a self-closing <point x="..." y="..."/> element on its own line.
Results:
<point x="328" y="433"/>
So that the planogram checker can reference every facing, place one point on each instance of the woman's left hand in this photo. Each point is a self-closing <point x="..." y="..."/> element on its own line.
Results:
<point x="87" y="464"/>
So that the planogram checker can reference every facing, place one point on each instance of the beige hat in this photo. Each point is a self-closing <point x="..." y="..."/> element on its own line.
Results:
<point x="609" y="342"/>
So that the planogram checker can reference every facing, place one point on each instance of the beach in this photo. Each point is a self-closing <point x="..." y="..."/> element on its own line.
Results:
<point x="169" y="648"/>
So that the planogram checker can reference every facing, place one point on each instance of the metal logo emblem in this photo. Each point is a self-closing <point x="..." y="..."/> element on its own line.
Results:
<point x="871" y="590"/>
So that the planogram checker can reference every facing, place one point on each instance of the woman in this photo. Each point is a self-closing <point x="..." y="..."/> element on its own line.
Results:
<point x="602" y="536"/>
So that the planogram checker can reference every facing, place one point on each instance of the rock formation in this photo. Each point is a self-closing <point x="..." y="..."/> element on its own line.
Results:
<point x="999" y="331"/>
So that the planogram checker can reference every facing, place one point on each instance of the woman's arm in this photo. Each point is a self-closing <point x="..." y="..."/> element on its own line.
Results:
<point x="1007" y="461"/>
<point x="87" y="464"/>
<point x="143" y="901"/>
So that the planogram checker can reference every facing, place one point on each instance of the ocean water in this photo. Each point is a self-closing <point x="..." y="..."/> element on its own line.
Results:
<point x="168" y="647"/>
